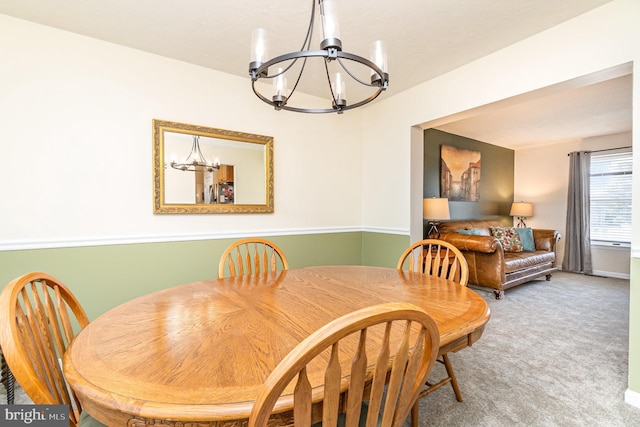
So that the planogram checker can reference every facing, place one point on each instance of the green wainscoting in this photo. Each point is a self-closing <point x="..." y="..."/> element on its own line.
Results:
<point x="634" y="328"/>
<point x="383" y="250"/>
<point x="103" y="277"/>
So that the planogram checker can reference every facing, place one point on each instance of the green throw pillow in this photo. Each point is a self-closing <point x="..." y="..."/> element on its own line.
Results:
<point x="526" y="237"/>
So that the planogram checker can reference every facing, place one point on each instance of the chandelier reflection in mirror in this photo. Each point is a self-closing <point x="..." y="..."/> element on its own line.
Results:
<point x="196" y="161"/>
<point x="335" y="66"/>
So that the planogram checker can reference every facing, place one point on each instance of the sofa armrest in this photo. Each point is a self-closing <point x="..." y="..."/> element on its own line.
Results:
<point x="486" y="244"/>
<point x="485" y="258"/>
<point x="546" y="240"/>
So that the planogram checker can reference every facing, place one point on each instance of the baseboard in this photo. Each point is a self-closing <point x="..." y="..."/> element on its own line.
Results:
<point x="632" y="398"/>
<point x="611" y="274"/>
<point x="601" y="273"/>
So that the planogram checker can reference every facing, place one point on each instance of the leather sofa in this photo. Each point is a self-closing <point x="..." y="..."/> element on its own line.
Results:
<point x="490" y="266"/>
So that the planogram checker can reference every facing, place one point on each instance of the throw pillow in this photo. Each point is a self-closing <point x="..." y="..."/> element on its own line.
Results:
<point x="471" y="232"/>
<point x="508" y="238"/>
<point x="526" y="237"/>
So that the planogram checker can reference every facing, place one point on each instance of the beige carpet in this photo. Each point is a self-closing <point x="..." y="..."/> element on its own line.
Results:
<point x="553" y="354"/>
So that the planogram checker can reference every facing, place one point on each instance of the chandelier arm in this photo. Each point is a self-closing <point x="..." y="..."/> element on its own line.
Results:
<point x="363" y="61"/>
<point x="307" y="41"/>
<point x="323" y="54"/>
<point x="283" y="71"/>
<point x="200" y="155"/>
<point x="353" y="76"/>
<point x="364" y="101"/>
<point x="304" y="63"/>
<point x="306" y="44"/>
<point x="287" y="57"/>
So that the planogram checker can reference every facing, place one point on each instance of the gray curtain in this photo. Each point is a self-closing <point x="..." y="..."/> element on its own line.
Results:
<point x="577" y="249"/>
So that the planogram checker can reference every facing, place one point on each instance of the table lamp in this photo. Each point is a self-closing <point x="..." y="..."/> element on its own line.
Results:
<point x="521" y="210"/>
<point x="434" y="210"/>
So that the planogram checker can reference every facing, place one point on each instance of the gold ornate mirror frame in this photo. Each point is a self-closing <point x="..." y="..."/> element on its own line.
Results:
<point x="246" y="175"/>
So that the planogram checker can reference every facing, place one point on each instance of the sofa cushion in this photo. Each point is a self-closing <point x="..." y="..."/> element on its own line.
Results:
<point x="526" y="237"/>
<point x="508" y="238"/>
<point x="515" y="261"/>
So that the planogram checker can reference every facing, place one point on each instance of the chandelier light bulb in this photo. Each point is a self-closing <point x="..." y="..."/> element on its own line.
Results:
<point x="279" y="89"/>
<point x="259" y="46"/>
<point x="330" y="25"/>
<point x="379" y="54"/>
<point x="339" y="90"/>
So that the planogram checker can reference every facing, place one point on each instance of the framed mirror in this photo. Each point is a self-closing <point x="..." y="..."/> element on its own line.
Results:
<point x="198" y="169"/>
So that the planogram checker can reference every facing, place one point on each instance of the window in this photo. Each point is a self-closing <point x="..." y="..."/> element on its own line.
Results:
<point x="610" y="197"/>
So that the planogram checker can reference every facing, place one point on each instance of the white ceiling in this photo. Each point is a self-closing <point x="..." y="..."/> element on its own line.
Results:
<point x="425" y="38"/>
<point x="596" y="109"/>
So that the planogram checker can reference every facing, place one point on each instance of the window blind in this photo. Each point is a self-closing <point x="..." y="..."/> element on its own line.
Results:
<point x="610" y="197"/>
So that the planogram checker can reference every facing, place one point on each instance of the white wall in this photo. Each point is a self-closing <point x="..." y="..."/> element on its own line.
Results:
<point x="542" y="177"/>
<point x="605" y="38"/>
<point x="601" y="39"/>
<point x="76" y="144"/>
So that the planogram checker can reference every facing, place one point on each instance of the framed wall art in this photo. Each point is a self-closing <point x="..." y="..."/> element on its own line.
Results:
<point x="459" y="174"/>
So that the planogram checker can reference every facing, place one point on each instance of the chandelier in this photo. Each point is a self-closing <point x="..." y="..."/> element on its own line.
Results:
<point x="195" y="161"/>
<point x="331" y="54"/>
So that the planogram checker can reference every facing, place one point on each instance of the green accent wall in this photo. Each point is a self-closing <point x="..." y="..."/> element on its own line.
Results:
<point x="103" y="277"/>
<point x="496" y="176"/>
<point x="383" y="250"/>
<point x="634" y="326"/>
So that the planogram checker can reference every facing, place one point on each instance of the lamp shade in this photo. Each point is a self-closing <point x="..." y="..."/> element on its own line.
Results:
<point x="435" y="208"/>
<point x="522" y="209"/>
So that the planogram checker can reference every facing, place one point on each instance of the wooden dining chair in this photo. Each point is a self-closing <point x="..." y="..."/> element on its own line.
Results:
<point x="40" y="318"/>
<point x="344" y="358"/>
<point x="251" y="256"/>
<point x="436" y="258"/>
<point x="7" y="379"/>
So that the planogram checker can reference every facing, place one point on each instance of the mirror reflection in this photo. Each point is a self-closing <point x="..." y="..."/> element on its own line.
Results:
<point x="208" y="170"/>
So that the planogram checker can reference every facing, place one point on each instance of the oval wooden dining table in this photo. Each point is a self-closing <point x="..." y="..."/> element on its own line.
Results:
<point x="197" y="354"/>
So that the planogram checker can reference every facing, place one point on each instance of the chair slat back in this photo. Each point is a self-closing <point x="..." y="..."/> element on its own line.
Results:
<point x="251" y="256"/>
<point x="436" y="258"/>
<point x="404" y="349"/>
<point x="40" y="318"/>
